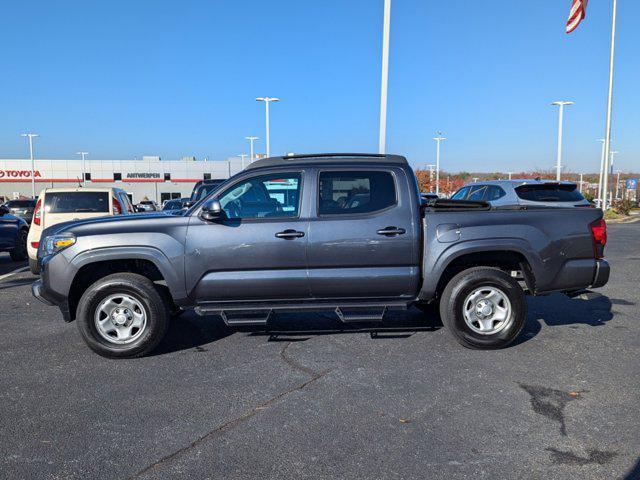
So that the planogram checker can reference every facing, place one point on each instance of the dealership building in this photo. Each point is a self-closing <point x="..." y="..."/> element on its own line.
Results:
<point x="150" y="177"/>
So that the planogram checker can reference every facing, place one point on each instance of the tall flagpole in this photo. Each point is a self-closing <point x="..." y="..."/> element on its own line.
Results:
<point x="385" y="76"/>
<point x="607" y="134"/>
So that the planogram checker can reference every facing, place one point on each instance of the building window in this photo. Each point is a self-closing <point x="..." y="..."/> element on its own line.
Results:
<point x="207" y="176"/>
<point x="167" y="177"/>
<point x="117" y="177"/>
<point x="87" y="176"/>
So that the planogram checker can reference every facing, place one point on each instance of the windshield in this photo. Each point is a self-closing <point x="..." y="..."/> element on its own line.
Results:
<point x="21" y="203"/>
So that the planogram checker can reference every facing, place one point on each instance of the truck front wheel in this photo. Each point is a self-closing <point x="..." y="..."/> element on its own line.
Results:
<point x="484" y="308"/>
<point x="122" y="316"/>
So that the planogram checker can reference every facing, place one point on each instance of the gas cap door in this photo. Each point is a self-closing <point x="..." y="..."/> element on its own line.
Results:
<point x="448" y="232"/>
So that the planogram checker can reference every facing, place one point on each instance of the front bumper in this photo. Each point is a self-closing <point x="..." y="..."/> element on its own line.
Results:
<point x="49" y="292"/>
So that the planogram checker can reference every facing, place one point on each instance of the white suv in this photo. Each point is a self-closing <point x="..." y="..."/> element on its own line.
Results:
<point x="57" y="205"/>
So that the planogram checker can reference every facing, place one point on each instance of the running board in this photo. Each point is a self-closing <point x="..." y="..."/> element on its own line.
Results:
<point x="366" y="314"/>
<point x="258" y="313"/>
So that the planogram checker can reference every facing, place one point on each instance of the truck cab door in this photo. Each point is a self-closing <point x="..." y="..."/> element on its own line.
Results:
<point x="257" y="250"/>
<point x="364" y="238"/>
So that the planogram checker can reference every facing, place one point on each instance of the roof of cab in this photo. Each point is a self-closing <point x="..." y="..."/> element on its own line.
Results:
<point x="328" y="158"/>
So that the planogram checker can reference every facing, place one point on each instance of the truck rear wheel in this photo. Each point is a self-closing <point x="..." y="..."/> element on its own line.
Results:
<point x="122" y="316"/>
<point x="484" y="308"/>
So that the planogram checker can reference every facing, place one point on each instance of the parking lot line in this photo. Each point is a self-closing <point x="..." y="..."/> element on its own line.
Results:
<point x="19" y="270"/>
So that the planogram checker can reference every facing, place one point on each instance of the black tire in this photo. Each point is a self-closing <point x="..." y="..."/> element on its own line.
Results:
<point x="19" y="252"/>
<point x="142" y="290"/>
<point x="464" y="284"/>
<point x="34" y="267"/>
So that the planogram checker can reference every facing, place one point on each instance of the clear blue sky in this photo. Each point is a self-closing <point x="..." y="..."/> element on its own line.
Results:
<point x="130" y="78"/>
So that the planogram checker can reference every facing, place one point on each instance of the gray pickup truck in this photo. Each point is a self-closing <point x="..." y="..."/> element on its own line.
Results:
<point x="340" y="232"/>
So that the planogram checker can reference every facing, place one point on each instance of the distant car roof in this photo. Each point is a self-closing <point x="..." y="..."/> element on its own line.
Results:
<point x="81" y="189"/>
<point x="325" y="158"/>
<point x="521" y="181"/>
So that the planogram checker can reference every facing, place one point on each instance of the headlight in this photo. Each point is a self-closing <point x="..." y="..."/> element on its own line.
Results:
<point x="56" y="243"/>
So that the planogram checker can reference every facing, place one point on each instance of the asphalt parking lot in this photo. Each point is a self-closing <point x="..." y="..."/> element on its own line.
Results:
<point x="330" y="401"/>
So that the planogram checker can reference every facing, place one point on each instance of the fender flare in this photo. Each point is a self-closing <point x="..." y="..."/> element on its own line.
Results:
<point x="457" y="250"/>
<point x="173" y="278"/>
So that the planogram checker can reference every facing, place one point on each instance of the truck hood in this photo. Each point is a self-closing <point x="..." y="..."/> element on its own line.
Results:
<point x="140" y="222"/>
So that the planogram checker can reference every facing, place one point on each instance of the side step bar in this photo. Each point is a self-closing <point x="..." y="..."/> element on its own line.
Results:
<point x="347" y="311"/>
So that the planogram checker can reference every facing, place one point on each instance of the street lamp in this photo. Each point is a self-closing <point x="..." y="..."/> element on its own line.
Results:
<point x="84" y="173"/>
<point x="251" y="140"/>
<point x="430" y="166"/>
<point x="242" y="157"/>
<point x="509" y="173"/>
<point x="560" y="104"/>
<point x="438" y="139"/>
<point x="609" y="187"/>
<point x="267" y="101"/>
<point x="30" y="136"/>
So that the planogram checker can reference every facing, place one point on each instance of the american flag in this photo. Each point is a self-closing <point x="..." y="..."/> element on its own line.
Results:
<point x="577" y="13"/>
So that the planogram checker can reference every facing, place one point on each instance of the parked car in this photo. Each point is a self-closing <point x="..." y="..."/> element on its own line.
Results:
<point x="175" y="204"/>
<point x="147" y="206"/>
<point x="276" y="238"/>
<point x="13" y="234"/>
<point x="528" y="192"/>
<point x="204" y="187"/>
<point x="22" y="208"/>
<point x="58" y="205"/>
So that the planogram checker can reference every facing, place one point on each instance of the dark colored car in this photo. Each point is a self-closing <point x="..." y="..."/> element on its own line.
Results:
<point x="13" y="234"/>
<point x="345" y="233"/>
<point x="204" y="187"/>
<point x="22" y="208"/>
<point x="175" y="204"/>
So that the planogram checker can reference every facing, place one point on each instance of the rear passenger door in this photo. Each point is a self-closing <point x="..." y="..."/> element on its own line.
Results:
<point x="363" y="239"/>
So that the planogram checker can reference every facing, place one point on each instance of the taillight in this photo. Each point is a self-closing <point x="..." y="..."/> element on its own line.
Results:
<point x="599" y="237"/>
<point x="117" y="208"/>
<point x="37" y="213"/>
<point x="35" y="244"/>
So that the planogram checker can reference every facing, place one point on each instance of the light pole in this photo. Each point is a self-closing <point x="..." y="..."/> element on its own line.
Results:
<point x="30" y="136"/>
<point x="430" y="167"/>
<point x="581" y="182"/>
<point x="610" y="172"/>
<point x="251" y="140"/>
<point x="267" y="101"/>
<point x="84" y="174"/>
<point x="386" y="25"/>
<point x="438" y="139"/>
<point x="242" y="157"/>
<point x="509" y="173"/>
<point x="560" y="104"/>
<point x="618" y="185"/>
<point x="601" y="174"/>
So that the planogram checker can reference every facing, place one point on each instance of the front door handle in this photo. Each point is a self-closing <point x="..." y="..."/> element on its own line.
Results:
<point x="391" y="231"/>
<point x="290" y="234"/>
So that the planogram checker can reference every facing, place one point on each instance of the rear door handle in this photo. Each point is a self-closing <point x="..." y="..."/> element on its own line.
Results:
<point x="391" y="231"/>
<point x="289" y="234"/>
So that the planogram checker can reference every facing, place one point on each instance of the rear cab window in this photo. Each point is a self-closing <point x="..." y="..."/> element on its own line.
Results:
<point x="355" y="192"/>
<point x="460" y="194"/>
<point x="76" y="202"/>
<point x="551" y="192"/>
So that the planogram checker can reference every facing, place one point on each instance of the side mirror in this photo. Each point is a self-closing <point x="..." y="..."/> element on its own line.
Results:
<point x="211" y="210"/>
<point x="188" y="204"/>
<point x="3" y="210"/>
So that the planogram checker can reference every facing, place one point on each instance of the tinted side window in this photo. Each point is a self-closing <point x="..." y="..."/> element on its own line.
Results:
<point x="274" y="195"/>
<point x="460" y="194"/>
<point x="355" y="192"/>
<point x="549" y="193"/>
<point x="477" y="193"/>
<point x="494" y="193"/>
